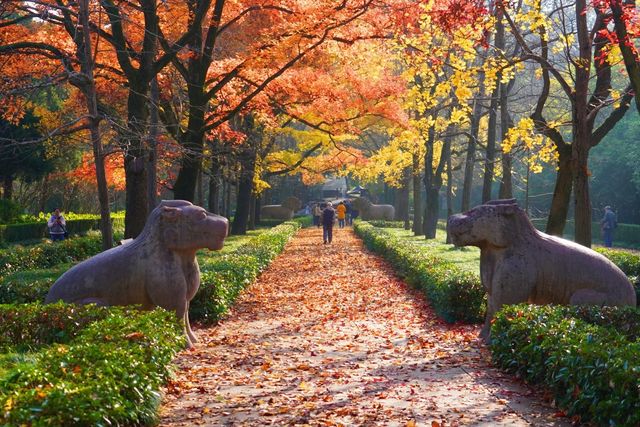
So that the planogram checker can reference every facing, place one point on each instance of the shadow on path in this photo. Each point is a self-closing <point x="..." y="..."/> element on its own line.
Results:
<point x="328" y="335"/>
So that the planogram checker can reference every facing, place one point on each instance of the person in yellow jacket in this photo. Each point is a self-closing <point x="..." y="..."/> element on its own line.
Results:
<point x="341" y="212"/>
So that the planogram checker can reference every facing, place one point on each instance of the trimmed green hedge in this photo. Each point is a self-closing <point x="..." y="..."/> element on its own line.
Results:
<point x="101" y="366"/>
<point x="48" y="254"/>
<point x="628" y="262"/>
<point x="588" y="357"/>
<point x="624" y="234"/>
<point x="224" y="276"/>
<point x="37" y="230"/>
<point x="456" y="295"/>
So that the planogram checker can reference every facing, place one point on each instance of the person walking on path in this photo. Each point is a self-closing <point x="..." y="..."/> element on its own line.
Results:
<point x="608" y="223"/>
<point x="328" y="218"/>
<point x="57" y="226"/>
<point x="317" y="212"/>
<point x="341" y="212"/>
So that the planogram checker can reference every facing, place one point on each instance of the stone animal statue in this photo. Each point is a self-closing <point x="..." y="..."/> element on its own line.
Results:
<point x="157" y="268"/>
<point x="369" y="211"/>
<point x="284" y="211"/>
<point x="521" y="264"/>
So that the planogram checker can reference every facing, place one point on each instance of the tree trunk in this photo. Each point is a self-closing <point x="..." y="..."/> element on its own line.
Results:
<point x="135" y="162"/>
<point x="417" y="196"/>
<point x="449" y="194"/>
<point x="91" y="99"/>
<point x="154" y="131"/>
<point x="7" y="187"/>
<point x="471" y="156"/>
<point x="490" y="158"/>
<point x="258" y="205"/>
<point x="245" y="188"/>
<point x="214" y="193"/>
<point x="402" y="196"/>
<point x="252" y="212"/>
<point x="581" y="190"/>
<point x="561" y="194"/>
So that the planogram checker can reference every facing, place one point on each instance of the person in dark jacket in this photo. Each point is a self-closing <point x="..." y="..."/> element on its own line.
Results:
<point x="608" y="223"/>
<point x="328" y="218"/>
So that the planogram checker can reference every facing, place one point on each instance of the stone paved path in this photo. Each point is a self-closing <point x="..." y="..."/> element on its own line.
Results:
<point x="330" y="336"/>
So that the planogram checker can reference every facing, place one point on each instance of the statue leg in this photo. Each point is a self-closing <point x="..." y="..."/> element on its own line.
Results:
<point x="182" y="314"/>
<point x="187" y="326"/>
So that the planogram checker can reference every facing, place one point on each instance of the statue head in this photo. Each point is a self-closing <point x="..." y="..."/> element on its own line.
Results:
<point x="361" y="203"/>
<point x="182" y="225"/>
<point x="496" y="223"/>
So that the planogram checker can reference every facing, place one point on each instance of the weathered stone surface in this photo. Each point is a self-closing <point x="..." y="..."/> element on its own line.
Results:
<point x="284" y="211"/>
<point x="521" y="264"/>
<point x="369" y="211"/>
<point x="156" y="269"/>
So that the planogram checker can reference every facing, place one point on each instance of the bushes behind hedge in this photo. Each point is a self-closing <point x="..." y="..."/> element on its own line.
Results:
<point x="49" y="254"/>
<point x="589" y="358"/>
<point x="37" y="230"/>
<point x="223" y="277"/>
<point x="456" y="295"/>
<point x="109" y="373"/>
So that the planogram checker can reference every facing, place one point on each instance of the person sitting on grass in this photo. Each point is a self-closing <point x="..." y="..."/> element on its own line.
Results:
<point x="56" y="225"/>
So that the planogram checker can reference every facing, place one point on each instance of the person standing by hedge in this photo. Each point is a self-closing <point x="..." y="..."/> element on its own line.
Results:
<point x="328" y="218"/>
<point x="608" y="223"/>
<point x="317" y="212"/>
<point x="341" y="211"/>
<point x="57" y="226"/>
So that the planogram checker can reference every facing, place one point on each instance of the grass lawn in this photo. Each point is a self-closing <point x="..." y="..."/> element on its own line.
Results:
<point x="467" y="258"/>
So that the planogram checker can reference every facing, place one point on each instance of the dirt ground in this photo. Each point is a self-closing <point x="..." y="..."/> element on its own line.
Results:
<point x="328" y="336"/>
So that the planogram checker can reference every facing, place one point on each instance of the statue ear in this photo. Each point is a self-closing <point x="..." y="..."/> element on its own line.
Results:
<point x="170" y="214"/>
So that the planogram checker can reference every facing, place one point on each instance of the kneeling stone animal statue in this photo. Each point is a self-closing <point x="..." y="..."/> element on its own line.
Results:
<point x="156" y="269"/>
<point x="521" y="264"/>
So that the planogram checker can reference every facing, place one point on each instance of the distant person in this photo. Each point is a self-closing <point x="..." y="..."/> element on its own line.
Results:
<point x="347" y="204"/>
<point x="57" y="226"/>
<point x="354" y="214"/>
<point x="608" y="223"/>
<point x="328" y="218"/>
<point x="317" y="212"/>
<point x="341" y="212"/>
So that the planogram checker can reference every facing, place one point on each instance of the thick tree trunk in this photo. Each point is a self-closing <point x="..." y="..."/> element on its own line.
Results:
<point x="561" y="194"/>
<point x="245" y="188"/>
<point x="192" y="141"/>
<point x="252" y="212"/>
<point x="432" y="208"/>
<point x="581" y="190"/>
<point x="135" y="162"/>
<point x="417" y="196"/>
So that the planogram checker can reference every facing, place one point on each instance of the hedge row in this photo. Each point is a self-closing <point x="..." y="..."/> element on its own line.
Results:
<point x="624" y="234"/>
<point x="588" y="357"/>
<point x="38" y="230"/>
<point x="48" y="254"/>
<point x="223" y="277"/>
<point x="101" y="366"/>
<point x="456" y="295"/>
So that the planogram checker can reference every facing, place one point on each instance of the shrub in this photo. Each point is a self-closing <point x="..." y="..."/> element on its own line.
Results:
<point x="456" y="295"/>
<point x="38" y="229"/>
<point x="48" y="254"/>
<point x="583" y="355"/>
<point x="109" y="373"/>
<point x="9" y="211"/>
<point x="628" y="262"/>
<point x="30" y="285"/>
<point x="223" y="277"/>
